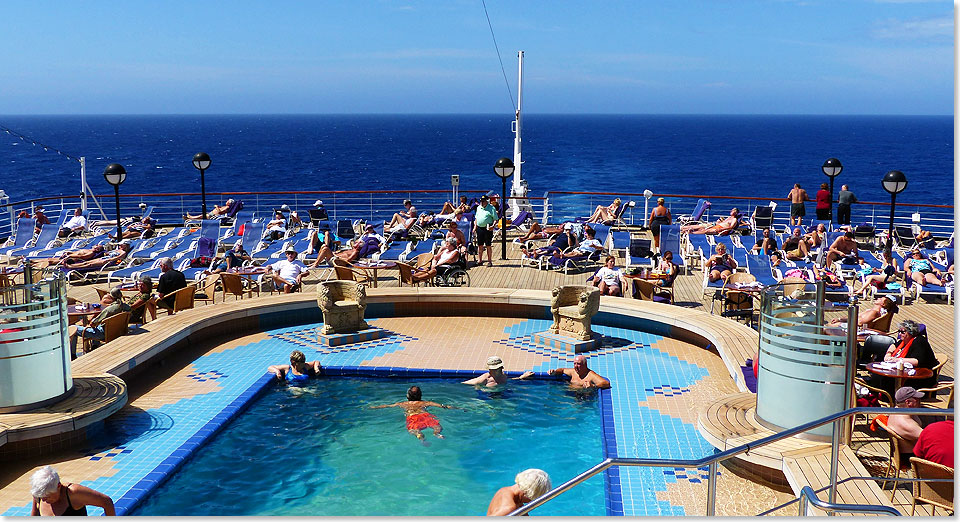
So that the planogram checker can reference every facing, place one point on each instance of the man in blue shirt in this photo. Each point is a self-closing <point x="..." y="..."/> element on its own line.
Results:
<point x="485" y="217"/>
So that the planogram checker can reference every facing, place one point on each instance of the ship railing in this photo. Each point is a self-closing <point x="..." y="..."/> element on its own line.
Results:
<point x="170" y="208"/>
<point x="569" y="205"/>
<point x="712" y="462"/>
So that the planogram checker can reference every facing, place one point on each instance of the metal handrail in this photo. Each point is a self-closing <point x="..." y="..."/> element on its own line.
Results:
<point x="713" y="460"/>
<point x="807" y="495"/>
<point x="842" y="481"/>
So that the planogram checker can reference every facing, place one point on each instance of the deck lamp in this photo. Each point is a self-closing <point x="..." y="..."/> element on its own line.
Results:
<point x="647" y="194"/>
<point x="831" y="168"/>
<point x="504" y="169"/>
<point x="893" y="182"/>
<point x="201" y="162"/>
<point x="115" y="175"/>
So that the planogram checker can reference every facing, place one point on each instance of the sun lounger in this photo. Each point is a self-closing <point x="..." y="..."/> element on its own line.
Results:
<point x="394" y="250"/>
<point x="48" y="234"/>
<point x="619" y="240"/>
<point x="758" y="265"/>
<point x="578" y="263"/>
<point x="21" y="236"/>
<point x="696" y="216"/>
<point x="763" y="217"/>
<point x="640" y="253"/>
<point x="422" y="247"/>
<point x="700" y="248"/>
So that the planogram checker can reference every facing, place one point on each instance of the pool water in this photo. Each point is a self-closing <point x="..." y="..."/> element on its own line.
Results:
<point x="320" y="450"/>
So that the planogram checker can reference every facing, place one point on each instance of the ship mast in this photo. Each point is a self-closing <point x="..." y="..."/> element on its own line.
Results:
<point x="519" y="187"/>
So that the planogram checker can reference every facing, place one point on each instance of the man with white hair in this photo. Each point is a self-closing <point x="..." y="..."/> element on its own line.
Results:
<point x="170" y="281"/>
<point x="52" y="498"/>
<point x="528" y="485"/>
<point x="494" y="375"/>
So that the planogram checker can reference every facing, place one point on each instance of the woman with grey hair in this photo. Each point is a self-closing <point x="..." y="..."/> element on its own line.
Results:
<point x="528" y="485"/>
<point x="912" y="348"/>
<point x="52" y="498"/>
<point x="447" y="255"/>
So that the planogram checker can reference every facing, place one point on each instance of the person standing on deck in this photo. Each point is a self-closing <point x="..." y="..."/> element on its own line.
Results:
<point x="418" y="419"/>
<point x="528" y="485"/>
<point x="844" y="200"/>
<point x="659" y="216"/>
<point x="485" y="217"/>
<point x="824" y="205"/>
<point x="797" y="209"/>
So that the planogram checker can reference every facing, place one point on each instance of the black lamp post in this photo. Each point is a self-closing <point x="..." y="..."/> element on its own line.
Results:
<point x="504" y="169"/>
<point x="201" y="161"/>
<point x="894" y="182"/>
<point x="832" y="168"/>
<point x="115" y="175"/>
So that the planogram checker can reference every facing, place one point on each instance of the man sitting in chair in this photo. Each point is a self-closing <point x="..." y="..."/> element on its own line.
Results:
<point x="95" y="329"/>
<point x="843" y="248"/>
<point x="143" y="301"/>
<point x="287" y="273"/>
<point x="75" y="225"/>
<point x="907" y="427"/>
<point x="447" y="255"/>
<point x="171" y="280"/>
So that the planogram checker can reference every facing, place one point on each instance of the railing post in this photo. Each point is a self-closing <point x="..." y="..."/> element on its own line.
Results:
<point x="712" y="489"/>
<point x="834" y="459"/>
<point x="850" y="366"/>
<point x="802" y="512"/>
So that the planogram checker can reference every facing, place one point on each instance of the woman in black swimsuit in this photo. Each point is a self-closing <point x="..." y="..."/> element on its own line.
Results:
<point x="51" y="498"/>
<point x="660" y="215"/>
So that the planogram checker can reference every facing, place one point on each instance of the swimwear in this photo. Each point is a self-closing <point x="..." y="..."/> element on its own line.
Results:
<point x="70" y="511"/>
<point x="421" y="421"/>
<point x="797" y="210"/>
<point x="921" y="265"/>
<point x="656" y="222"/>
<point x="293" y="378"/>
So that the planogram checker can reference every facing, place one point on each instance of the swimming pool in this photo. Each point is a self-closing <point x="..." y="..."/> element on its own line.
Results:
<point x="319" y="450"/>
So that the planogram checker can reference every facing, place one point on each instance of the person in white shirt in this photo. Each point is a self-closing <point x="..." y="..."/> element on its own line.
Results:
<point x="609" y="278"/>
<point x="588" y="246"/>
<point x="287" y="273"/>
<point x="75" y="225"/>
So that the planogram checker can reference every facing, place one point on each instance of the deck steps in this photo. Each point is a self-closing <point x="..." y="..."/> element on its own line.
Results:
<point x="811" y="467"/>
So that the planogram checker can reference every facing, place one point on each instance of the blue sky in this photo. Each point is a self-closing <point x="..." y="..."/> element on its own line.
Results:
<point x="379" y="56"/>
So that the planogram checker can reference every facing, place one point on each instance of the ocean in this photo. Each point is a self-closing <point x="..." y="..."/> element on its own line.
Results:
<point x="668" y="154"/>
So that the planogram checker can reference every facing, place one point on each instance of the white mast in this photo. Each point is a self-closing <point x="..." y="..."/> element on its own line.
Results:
<point x="519" y="187"/>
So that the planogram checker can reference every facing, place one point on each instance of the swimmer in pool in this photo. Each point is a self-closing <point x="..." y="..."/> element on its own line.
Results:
<point x="581" y="376"/>
<point x="528" y="485"/>
<point x="494" y="375"/>
<point x="298" y="371"/>
<point x="418" y="419"/>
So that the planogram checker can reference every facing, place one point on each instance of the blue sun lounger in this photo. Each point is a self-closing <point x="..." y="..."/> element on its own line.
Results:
<point x="21" y="236"/>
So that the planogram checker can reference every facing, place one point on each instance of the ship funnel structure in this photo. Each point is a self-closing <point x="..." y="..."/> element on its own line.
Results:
<point x="518" y="190"/>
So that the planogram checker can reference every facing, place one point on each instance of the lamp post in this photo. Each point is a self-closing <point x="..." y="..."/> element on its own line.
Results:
<point x="831" y="168"/>
<point x="201" y="162"/>
<point x="504" y="169"/>
<point x="115" y="175"/>
<point x="893" y="182"/>
<point x="647" y="194"/>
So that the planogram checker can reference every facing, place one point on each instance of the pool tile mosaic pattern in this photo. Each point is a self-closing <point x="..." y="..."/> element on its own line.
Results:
<point x="657" y="383"/>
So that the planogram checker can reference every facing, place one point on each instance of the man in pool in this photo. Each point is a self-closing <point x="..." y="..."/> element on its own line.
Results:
<point x="581" y="376"/>
<point x="418" y="419"/>
<point x="494" y="375"/>
<point x="528" y="485"/>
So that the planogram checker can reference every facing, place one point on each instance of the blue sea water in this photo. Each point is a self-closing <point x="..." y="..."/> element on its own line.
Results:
<point x="673" y="154"/>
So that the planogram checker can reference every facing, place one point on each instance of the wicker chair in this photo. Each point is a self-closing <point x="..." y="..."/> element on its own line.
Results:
<point x="114" y="326"/>
<point x="233" y="285"/>
<point x="894" y="466"/>
<point x="183" y="299"/>
<point x="932" y="397"/>
<point x="937" y="494"/>
<point x="348" y="272"/>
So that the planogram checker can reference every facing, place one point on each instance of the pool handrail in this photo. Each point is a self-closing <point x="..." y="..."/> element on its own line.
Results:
<point x="713" y="460"/>
<point x="808" y="496"/>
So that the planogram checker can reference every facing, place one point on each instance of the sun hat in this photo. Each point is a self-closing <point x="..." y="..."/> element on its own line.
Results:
<point x="318" y="203"/>
<point x="907" y="392"/>
<point x="290" y="249"/>
<point x="284" y="207"/>
<point x="494" y="362"/>
<point x="568" y="226"/>
<point x="371" y="227"/>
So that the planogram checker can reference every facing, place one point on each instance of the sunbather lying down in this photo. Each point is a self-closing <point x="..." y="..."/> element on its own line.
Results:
<point x="218" y="211"/>
<point x="73" y="256"/>
<point x="603" y="214"/>
<point x="722" y="225"/>
<point x="113" y="257"/>
<point x="559" y="244"/>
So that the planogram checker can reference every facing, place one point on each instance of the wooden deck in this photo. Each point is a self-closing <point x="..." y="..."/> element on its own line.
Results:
<point x="811" y="467"/>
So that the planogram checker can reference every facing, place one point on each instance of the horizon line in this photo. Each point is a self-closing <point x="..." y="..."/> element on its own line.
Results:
<point x="476" y="114"/>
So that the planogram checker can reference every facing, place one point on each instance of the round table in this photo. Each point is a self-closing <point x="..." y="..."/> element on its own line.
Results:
<point x="900" y="375"/>
<point x="75" y="314"/>
<point x="374" y="266"/>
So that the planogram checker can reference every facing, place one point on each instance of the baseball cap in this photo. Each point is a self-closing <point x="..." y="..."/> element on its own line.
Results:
<point x="494" y="362"/>
<point x="484" y="197"/>
<point x="907" y="392"/>
<point x="371" y="227"/>
<point x="568" y="226"/>
<point x="284" y="207"/>
<point x="318" y="203"/>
